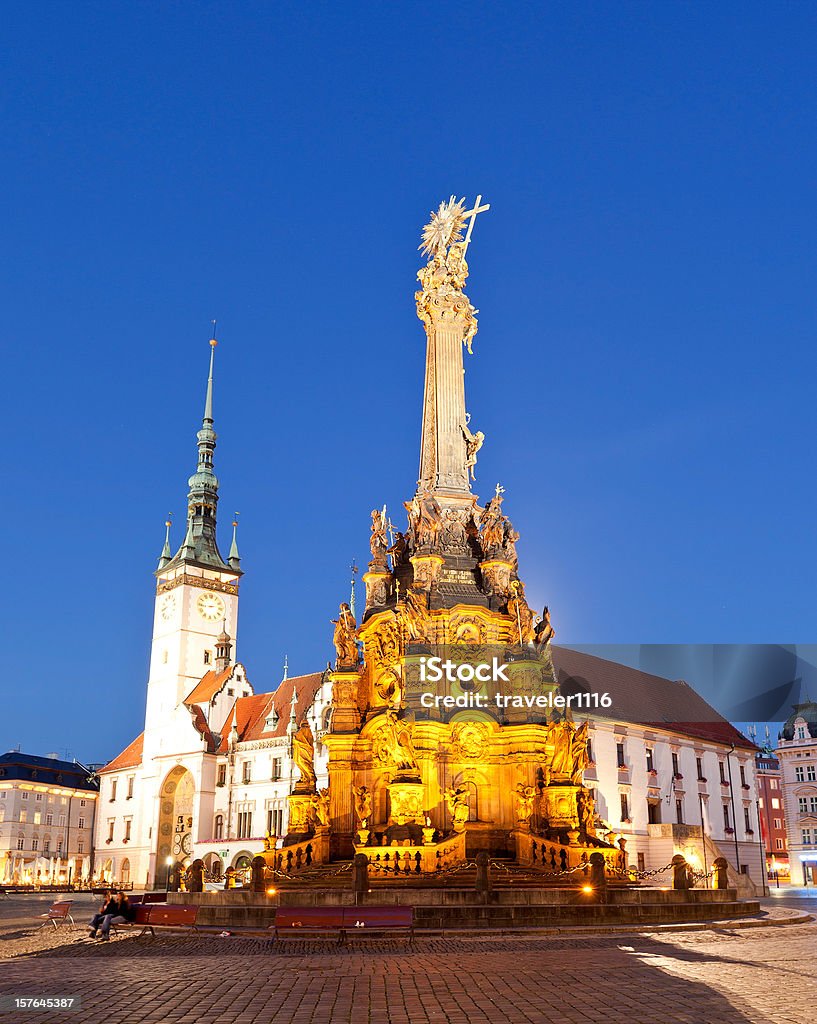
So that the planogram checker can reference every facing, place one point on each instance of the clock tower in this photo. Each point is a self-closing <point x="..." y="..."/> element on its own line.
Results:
<point x="196" y="600"/>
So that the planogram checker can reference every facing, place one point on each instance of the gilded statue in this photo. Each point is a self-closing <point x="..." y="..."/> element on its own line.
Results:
<point x="320" y="806"/>
<point x="363" y="804"/>
<point x="442" y="280"/>
<point x="378" y="542"/>
<point x="413" y="613"/>
<point x="396" y="737"/>
<point x="457" y="799"/>
<point x="509" y="539"/>
<point x="345" y="639"/>
<point x="578" y="753"/>
<point x="560" y="736"/>
<point x="303" y="754"/>
<point x="473" y="443"/>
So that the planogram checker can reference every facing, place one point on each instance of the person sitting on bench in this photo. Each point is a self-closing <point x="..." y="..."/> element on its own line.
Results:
<point x="105" y="908"/>
<point x="121" y="912"/>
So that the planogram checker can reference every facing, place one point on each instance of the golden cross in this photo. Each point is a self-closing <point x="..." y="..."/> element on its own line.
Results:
<point x="472" y="214"/>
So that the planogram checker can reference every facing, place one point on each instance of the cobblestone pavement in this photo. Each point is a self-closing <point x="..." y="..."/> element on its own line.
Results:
<point x="763" y="975"/>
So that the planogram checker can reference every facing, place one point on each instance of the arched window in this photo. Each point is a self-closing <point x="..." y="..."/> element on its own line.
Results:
<point x="218" y="831"/>
<point x="124" y="872"/>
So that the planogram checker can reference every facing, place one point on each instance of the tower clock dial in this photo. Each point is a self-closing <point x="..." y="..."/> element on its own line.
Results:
<point x="210" y="607"/>
<point x="168" y="606"/>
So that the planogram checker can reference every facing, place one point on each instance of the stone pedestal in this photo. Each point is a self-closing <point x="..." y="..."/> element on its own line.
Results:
<point x="406" y="802"/>
<point x="560" y="806"/>
<point x="496" y="577"/>
<point x="426" y="569"/>
<point x="345" y="709"/>
<point x="377" y="581"/>
<point x="300" y="815"/>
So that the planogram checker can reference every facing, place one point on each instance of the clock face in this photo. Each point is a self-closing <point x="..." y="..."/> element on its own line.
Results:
<point x="168" y="606"/>
<point x="187" y="844"/>
<point x="211" y="607"/>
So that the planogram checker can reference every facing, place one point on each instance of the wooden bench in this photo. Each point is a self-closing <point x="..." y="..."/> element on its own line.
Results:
<point x="149" y="916"/>
<point x="58" y="913"/>
<point x="343" y="921"/>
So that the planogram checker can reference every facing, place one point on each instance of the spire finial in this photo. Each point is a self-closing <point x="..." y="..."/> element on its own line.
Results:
<point x="208" y="402"/>
<point x="166" y="554"/>
<point x="234" y="559"/>
<point x="286" y="667"/>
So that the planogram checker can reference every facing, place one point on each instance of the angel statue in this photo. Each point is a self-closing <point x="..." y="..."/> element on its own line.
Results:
<point x="303" y="754"/>
<point x="363" y="804"/>
<point x="524" y="801"/>
<point x="345" y="639"/>
<point x="473" y="443"/>
<point x="492" y="526"/>
<point x="320" y="806"/>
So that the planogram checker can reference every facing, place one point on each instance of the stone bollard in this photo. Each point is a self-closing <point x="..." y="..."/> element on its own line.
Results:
<point x="229" y="878"/>
<point x="483" y="880"/>
<point x="258" y="880"/>
<point x="721" y="868"/>
<point x="598" y="878"/>
<point x="680" y="877"/>
<point x="360" y="876"/>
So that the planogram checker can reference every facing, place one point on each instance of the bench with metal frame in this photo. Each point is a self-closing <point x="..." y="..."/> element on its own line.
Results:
<point x="58" y="913"/>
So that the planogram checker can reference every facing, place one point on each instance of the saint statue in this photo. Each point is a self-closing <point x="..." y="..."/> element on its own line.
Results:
<point x="378" y="541"/>
<point x="586" y="807"/>
<point x="345" y="639"/>
<point x="397" y="739"/>
<point x="492" y="526"/>
<point x="425" y="520"/>
<point x="303" y="754"/>
<point x="561" y="760"/>
<point x="520" y="612"/>
<point x="578" y="753"/>
<point x="363" y="804"/>
<point x="413" y="613"/>
<point x="544" y="632"/>
<point x="457" y="799"/>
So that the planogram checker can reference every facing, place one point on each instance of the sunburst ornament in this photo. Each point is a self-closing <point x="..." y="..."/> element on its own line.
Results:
<point x="444" y="228"/>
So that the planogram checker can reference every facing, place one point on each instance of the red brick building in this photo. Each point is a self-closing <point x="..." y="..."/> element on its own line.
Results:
<point x="772" y="815"/>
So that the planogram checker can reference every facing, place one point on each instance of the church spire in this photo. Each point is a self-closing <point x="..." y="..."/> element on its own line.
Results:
<point x="166" y="554"/>
<point x="200" y="546"/>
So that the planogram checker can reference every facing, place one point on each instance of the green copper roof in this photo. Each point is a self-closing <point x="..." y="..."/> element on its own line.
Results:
<point x="200" y="546"/>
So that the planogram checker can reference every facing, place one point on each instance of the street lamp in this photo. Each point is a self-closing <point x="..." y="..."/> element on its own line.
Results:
<point x="168" y="863"/>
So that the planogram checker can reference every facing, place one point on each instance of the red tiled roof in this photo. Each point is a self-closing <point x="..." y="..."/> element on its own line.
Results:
<point x="644" y="699"/>
<point x="130" y="757"/>
<point x="208" y="686"/>
<point x="252" y="712"/>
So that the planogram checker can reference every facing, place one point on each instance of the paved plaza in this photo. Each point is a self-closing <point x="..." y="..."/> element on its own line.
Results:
<point x="764" y="974"/>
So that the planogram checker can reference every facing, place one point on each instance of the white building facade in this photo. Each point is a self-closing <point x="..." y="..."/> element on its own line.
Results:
<point x="47" y="809"/>
<point x="797" y="754"/>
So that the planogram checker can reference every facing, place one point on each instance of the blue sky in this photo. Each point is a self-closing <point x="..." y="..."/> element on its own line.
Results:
<point x="644" y="369"/>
